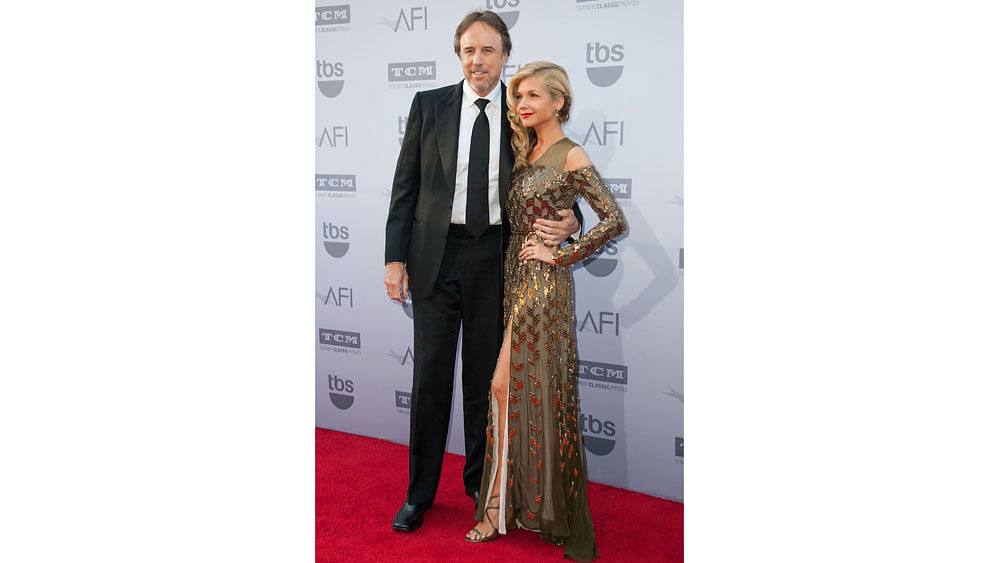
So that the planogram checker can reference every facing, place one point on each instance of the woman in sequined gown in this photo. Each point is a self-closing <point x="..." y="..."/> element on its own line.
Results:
<point x="537" y="478"/>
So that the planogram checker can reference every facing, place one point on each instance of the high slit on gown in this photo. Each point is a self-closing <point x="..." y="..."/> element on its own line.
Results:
<point x="544" y="477"/>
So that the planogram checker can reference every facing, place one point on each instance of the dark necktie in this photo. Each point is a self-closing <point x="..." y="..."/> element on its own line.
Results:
<point x="477" y="206"/>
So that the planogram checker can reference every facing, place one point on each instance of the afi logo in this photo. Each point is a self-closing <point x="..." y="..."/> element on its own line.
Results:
<point x="343" y="296"/>
<point x="336" y="239"/>
<point x="333" y="136"/>
<point x="604" y="261"/>
<point x="604" y="322"/>
<point x="509" y="70"/>
<point x="409" y="23"/>
<point x="325" y="71"/>
<point x="509" y="18"/>
<point x="333" y="15"/>
<point x="604" y="76"/>
<point x="602" y="131"/>
<point x="597" y="434"/>
<point x="339" y="389"/>
<point x="404" y="358"/>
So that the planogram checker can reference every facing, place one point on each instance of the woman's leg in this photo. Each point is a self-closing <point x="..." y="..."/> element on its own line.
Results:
<point x="499" y="387"/>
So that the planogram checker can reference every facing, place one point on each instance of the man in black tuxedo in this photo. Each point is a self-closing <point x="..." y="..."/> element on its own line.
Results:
<point x="444" y="243"/>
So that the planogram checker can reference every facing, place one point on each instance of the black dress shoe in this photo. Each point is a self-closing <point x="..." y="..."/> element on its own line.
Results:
<point x="410" y="517"/>
<point x="475" y="499"/>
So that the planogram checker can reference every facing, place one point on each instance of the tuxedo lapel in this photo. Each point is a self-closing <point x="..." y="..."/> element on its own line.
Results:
<point x="447" y="112"/>
<point x="506" y="152"/>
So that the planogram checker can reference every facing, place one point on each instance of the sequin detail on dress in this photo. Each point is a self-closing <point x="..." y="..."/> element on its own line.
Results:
<point x="546" y="476"/>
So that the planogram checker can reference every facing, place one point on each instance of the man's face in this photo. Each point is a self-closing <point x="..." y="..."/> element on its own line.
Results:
<point x="481" y="51"/>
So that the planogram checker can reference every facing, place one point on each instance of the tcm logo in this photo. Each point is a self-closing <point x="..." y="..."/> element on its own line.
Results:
<point x="586" y="5"/>
<point x="333" y="15"/>
<point x="412" y="72"/>
<point x="336" y="239"/>
<point x="597" y="54"/>
<point x="604" y="261"/>
<point x="404" y="358"/>
<point x="601" y="132"/>
<point x="680" y="259"/>
<point x="340" y="389"/>
<point x="608" y="373"/>
<point x="620" y="187"/>
<point x="678" y="446"/>
<point x="407" y="21"/>
<point x="341" y="338"/>
<point x="326" y="72"/>
<point x="333" y="136"/>
<point x="509" y="18"/>
<point x="341" y="297"/>
<point x="597" y="434"/>
<point x="336" y="183"/>
<point x="604" y="322"/>
<point x="402" y="400"/>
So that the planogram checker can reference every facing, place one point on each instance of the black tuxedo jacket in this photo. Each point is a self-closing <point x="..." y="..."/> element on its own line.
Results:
<point x="423" y="187"/>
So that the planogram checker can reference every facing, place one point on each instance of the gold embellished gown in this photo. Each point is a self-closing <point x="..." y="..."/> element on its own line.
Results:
<point x="544" y="480"/>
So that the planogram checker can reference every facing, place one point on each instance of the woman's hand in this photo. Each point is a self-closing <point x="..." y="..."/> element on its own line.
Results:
<point x="535" y="250"/>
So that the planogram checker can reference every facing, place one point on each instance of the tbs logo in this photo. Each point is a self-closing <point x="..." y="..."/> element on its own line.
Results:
<point x="401" y="127"/>
<point x="325" y="71"/>
<point x="597" y="434"/>
<point x="509" y="18"/>
<point x="604" y="261"/>
<point x="336" y="239"/>
<point x="340" y="392"/>
<point x="604" y="76"/>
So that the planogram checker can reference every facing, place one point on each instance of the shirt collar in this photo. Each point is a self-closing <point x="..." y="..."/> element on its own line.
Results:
<point x="469" y="96"/>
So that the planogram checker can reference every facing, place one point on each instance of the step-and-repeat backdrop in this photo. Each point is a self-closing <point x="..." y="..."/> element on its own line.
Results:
<point x="624" y="59"/>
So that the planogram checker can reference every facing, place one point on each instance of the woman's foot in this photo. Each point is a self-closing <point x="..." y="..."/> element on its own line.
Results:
<point x="487" y="529"/>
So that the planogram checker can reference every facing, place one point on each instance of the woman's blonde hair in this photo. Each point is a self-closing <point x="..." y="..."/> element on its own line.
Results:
<point x="553" y="77"/>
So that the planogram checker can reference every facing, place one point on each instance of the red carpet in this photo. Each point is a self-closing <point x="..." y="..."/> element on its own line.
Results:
<point x="361" y="483"/>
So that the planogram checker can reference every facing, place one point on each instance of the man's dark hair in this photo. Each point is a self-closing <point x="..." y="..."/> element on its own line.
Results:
<point x="489" y="18"/>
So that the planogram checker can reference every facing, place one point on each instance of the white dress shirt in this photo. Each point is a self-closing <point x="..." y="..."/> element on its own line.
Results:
<point x="470" y="111"/>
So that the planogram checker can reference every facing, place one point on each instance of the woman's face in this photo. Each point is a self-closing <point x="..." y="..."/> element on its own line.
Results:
<point x="534" y="103"/>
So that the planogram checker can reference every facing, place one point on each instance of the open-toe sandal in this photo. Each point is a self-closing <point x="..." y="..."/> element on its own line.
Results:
<point x="477" y="536"/>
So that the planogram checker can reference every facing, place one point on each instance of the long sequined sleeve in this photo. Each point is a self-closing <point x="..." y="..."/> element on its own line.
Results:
<point x="612" y="221"/>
